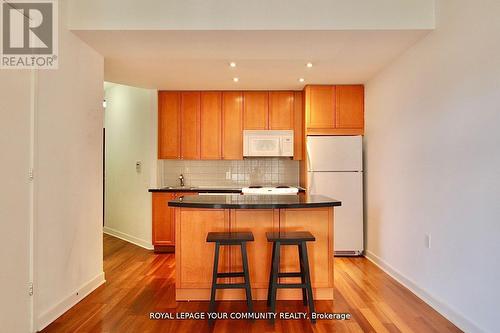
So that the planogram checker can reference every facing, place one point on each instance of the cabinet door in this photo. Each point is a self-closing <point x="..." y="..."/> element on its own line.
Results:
<point x="281" y="110"/>
<point x="169" y="121"/>
<point x="211" y="126"/>
<point x="190" y="125"/>
<point x="163" y="219"/>
<point x="350" y="106"/>
<point x="232" y="125"/>
<point x="320" y="107"/>
<point x="298" y="125"/>
<point x="255" y="110"/>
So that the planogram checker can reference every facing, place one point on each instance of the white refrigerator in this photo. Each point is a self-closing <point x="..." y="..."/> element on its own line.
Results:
<point x="335" y="169"/>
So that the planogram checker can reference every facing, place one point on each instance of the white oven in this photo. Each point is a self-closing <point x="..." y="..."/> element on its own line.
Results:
<point x="262" y="143"/>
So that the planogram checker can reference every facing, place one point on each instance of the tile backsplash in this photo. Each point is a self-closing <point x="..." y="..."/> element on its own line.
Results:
<point x="254" y="171"/>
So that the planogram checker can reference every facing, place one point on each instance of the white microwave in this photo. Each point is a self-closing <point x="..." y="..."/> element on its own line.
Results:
<point x="263" y="143"/>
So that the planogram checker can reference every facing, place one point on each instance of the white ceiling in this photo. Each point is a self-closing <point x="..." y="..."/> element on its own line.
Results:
<point x="191" y="60"/>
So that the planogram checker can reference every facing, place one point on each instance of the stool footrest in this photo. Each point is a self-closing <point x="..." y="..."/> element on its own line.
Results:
<point x="290" y="274"/>
<point x="230" y="286"/>
<point x="231" y="274"/>
<point x="292" y="285"/>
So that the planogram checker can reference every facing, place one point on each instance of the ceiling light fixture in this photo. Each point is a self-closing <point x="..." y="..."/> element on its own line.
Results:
<point x="309" y="65"/>
<point x="232" y="64"/>
<point x="301" y="79"/>
<point x="235" y="79"/>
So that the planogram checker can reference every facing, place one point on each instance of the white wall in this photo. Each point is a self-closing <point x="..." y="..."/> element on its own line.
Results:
<point x="15" y="304"/>
<point x="433" y="165"/>
<point x="130" y="121"/>
<point x="251" y="15"/>
<point x="68" y="177"/>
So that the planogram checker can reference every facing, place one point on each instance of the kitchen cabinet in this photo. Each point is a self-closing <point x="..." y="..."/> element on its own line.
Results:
<point x="232" y="125"/>
<point x="190" y="125"/>
<point x="255" y="110"/>
<point x="169" y="125"/>
<point x="163" y="223"/>
<point x="298" y="125"/>
<point x="211" y="126"/>
<point x="334" y="110"/>
<point x="163" y="228"/>
<point x="349" y="102"/>
<point x="320" y="107"/>
<point x="281" y="115"/>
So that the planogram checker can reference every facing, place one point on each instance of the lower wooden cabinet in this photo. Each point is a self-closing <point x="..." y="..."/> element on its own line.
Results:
<point x="163" y="228"/>
<point x="194" y="256"/>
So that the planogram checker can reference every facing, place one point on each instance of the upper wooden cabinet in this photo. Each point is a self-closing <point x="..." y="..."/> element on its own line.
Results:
<point x="298" y="125"/>
<point x="190" y="125"/>
<point x="232" y="125"/>
<point x="169" y="124"/>
<point x="350" y="101"/>
<point x="255" y="110"/>
<point x="334" y="110"/>
<point x="211" y="125"/>
<point x="320" y="106"/>
<point x="281" y="110"/>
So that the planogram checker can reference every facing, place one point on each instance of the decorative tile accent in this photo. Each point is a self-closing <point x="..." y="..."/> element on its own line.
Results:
<point x="254" y="171"/>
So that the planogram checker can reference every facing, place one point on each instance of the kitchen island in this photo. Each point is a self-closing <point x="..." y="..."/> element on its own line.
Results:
<point x="195" y="216"/>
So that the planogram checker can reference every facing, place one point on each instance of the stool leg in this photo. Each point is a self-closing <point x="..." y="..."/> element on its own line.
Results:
<point x="270" y="278"/>
<point x="274" y="281"/>
<point x="214" y="278"/>
<point x="302" y="275"/>
<point x="308" y="279"/>
<point x="244" y="259"/>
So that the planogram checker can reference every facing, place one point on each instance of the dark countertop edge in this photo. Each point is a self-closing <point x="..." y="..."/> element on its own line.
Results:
<point x="205" y="190"/>
<point x="254" y="206"/>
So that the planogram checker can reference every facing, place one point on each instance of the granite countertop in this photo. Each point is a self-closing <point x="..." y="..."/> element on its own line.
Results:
<point x="203" y="189"/>
<point x="254" y="201"/>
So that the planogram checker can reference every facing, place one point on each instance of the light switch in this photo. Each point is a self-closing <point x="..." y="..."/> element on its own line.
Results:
<point x="138" y="166"/>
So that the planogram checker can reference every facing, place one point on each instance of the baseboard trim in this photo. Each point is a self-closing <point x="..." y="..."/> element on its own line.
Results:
<point x="69" y="301"/>
<point x="128" y="238"/>
<point x="443" y="308"/>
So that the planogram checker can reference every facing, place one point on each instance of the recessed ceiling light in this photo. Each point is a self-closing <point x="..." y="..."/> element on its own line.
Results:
<point x="301" y="79"/>
<point x="235" y="79"/>
<point x="309" y="65"/>
<point x="232" y="64"/>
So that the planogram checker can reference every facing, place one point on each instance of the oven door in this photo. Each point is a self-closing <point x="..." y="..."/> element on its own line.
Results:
<point x="268" y="145"/>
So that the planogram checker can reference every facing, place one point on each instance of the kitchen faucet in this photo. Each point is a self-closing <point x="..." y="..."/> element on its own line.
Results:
<point x="181" y="179"/>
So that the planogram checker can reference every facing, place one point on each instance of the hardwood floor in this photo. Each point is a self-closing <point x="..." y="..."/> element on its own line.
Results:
<point x="140" y="282"/>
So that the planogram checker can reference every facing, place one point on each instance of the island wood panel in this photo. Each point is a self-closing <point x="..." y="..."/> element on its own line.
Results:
<point x="281" y="110"/>
<point x="349" y="106"/>
<point x="211" y="125"/>
<point x="255" y="110"/>
<point x="163" y="219"/>
<point x="194" y="256"/>
<point x="169" y="124"/>
<point x="320" y="107"/>
<point x="298" y="126"/>
<point x="259" y="251"/>
<point x="232" y="125"/>
<point x="320" y="252"/>
<point x="190" y="125"/>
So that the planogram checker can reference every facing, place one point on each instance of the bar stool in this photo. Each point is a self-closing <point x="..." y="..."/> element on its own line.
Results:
<point x="298" y="238"/>
<point x="231" y="238"/>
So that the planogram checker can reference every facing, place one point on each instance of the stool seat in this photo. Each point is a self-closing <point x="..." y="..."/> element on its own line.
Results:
<point x="290" y="236"/>
<point x="229" y="237"/>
